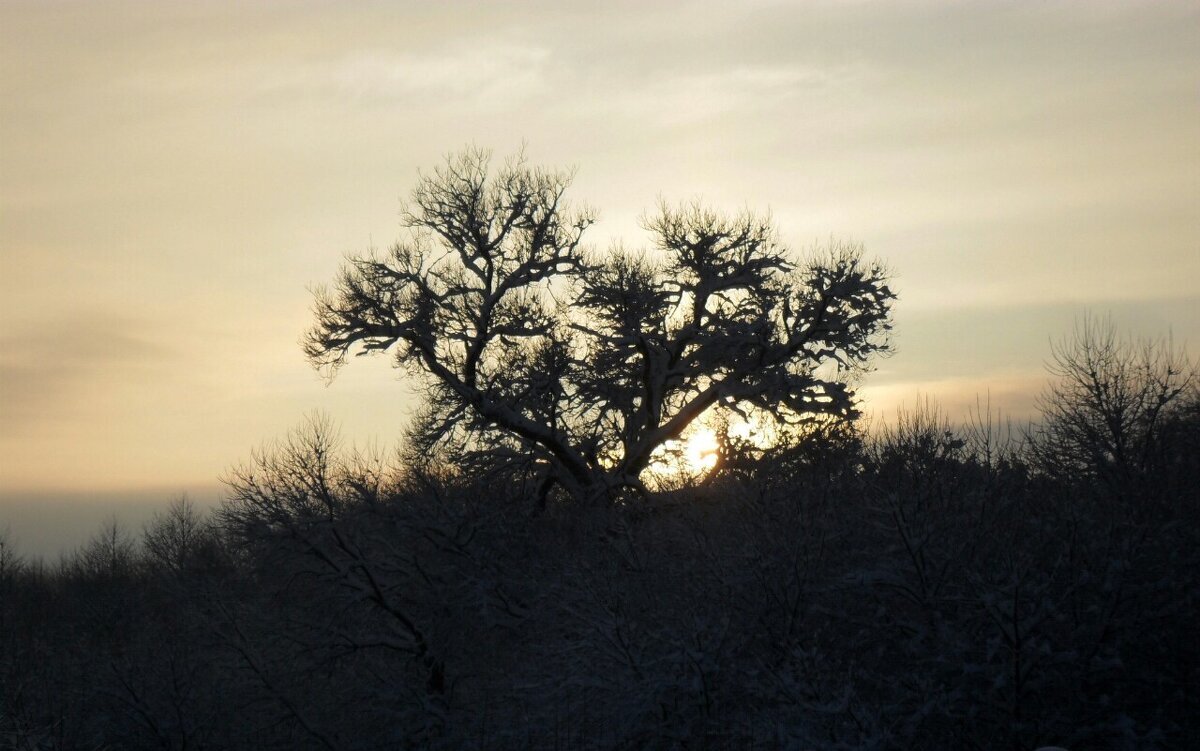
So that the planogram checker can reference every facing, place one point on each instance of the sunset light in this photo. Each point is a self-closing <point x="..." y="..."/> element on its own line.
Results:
<point x="701" y="450"/>
<point x="594" y="376"/>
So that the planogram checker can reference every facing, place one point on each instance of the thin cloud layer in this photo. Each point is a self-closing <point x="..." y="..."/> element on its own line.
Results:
<point x="191" y="169"/>
<point x="49" y="371"/>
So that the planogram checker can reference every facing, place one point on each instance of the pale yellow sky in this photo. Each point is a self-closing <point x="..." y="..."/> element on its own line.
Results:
<point x="174" y="176"/>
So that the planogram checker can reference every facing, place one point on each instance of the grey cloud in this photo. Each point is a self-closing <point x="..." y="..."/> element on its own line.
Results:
<point x="46" y="368"/>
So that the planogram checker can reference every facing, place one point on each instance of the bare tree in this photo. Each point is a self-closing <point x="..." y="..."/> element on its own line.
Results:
<point x="575" y="365"/>
<point x="111" y="553"/>
<point x="1107" y="413"/>
<point x="11" y="565"/>
<point x="10" y="561"/>
<point x="173" y="539"/>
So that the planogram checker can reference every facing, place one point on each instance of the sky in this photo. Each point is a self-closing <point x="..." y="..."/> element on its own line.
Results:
<point x="176" y="176"/>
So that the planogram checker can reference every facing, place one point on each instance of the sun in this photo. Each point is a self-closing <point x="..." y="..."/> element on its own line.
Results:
<point x="687" y="458"/>
<point x="701" y="451"/>
<point x="698" y="451"/>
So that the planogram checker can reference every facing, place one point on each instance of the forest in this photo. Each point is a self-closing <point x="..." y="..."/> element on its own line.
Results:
<point x="539" y="567"/>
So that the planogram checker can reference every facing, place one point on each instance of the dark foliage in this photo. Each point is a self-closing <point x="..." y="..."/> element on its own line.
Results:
<point x="920" y="587"/>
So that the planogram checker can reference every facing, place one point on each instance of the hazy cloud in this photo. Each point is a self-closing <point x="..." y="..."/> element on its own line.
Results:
<point x="486" y="73"/>
<point x="693" y="98"/>
<point x="47" y="370"/>
<point x="495" y="74"/>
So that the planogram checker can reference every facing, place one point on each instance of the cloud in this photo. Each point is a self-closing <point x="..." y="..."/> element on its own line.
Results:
<point x="199" y="164"/>
<point x="685" y="98"/>
<point x="47" y="369"/>
<point x="487" y="73"/>
<point x="490" y="73"/>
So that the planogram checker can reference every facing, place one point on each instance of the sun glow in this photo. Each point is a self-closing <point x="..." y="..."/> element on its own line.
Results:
<point x="698" y="451"/>
<point x="701" y="451"/>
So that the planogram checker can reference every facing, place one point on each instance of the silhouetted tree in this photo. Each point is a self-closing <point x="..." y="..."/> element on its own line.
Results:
<point x="178" y="539"/>
<point x="10" y="561"/>
<point x="1107" y="414"/>
<point x="577" y="366"/>
<point x="12" y="565"/>
<point x="110" y="555"/>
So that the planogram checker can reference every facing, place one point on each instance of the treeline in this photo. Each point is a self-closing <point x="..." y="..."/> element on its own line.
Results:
<point x="921" y="585"/>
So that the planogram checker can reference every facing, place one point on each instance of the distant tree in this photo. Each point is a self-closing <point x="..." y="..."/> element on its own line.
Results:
<point x="576" y="366"/>
<point x="174" y="540"/>
<point x="11" y="565"/>
<point x="1118" y="411"/>
<point x="10" y="561"/>
<point x="111" y="554"/>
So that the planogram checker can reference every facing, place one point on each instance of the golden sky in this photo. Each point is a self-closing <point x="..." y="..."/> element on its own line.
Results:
<point x="174" y="176"/>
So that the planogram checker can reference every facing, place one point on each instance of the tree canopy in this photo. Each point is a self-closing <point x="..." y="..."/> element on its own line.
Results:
<point x="541" y="355"/>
